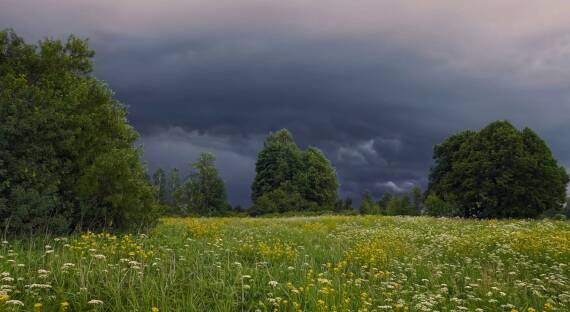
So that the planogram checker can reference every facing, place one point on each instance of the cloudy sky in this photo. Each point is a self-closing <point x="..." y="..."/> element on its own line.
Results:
<point x="374" y="84"/>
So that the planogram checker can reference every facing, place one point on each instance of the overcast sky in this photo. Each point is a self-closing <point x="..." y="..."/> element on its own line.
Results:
<point x="374" y="84"/>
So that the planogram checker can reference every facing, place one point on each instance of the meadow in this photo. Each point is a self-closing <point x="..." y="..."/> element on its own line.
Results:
<point x="327" y="263"/>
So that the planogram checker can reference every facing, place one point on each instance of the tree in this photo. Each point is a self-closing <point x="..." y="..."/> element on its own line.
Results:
<point x="498" y="172"/>
<point x="339" y="205"/>
<point x="160" y="183"/>
<point x="283" y="170"/>
<point x="367" y="204"/>
<point x="318" y="181"/>
<point x="174" y="182"/>
<point x="417" y="199"/>
<point x="282" y="199"/>
<point x="407" y="207"/>
<point x="204" y="193"/>
<point x="393" y="208"/>
<point x="114" y="191"/>
<point x="383" y="202"/>
<point x="436" y="207"/>
<point x="62" y="137"/>
<point x="278" y="162"/>
<point x="348" y="203"/>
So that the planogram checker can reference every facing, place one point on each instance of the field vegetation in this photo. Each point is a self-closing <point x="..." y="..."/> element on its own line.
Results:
<point x="327" y="263"/>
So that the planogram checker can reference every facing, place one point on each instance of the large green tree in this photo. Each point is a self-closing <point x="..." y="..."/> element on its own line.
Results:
<point x="284" y="172"/>
<point x="67" y="155"/>
<point x="498" y="172"/>
<point x="278" y="162"/>
<point x="318" y="180"/>
<point x="204" y="193"/>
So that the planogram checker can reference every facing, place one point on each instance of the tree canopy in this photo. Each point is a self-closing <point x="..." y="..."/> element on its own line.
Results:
<point x="67" y="154"/>
<point x="204" y="193"/>
<point x="283" y="172"/>
<point x="498" y="172"/>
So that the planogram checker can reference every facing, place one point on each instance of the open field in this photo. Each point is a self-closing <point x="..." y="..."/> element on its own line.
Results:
<point x="330" y="263"/>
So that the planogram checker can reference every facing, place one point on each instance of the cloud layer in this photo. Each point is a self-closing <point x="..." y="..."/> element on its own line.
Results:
<point x="373" y="83"/>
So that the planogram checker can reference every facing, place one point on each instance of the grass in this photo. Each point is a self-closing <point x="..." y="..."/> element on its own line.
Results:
<point x="328" y="263"/>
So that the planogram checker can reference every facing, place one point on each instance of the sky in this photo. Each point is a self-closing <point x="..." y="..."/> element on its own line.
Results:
<point x="374" y="84"/>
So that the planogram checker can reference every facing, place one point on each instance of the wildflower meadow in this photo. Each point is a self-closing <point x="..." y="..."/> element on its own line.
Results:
<point x="327" y="263"/>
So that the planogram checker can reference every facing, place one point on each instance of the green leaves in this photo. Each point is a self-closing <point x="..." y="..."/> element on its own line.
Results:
<point x="498" y="172"/>
<point x="283" y="171"/>
<point x="204" y="193"/>
<point x="65" y="141"/>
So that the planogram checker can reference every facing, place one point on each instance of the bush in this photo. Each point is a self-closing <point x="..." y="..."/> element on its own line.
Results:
<point x="437" y="207"/>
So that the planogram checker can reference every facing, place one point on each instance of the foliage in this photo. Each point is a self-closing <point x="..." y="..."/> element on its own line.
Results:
<point x="283" y="199"/>
<point x="160" y="183"/>
<point x="417" y="200"/>
<point x="498" y="172"/>
<point x="317" y="181"/>
<point x="278" y="162"/>
<point x="284" y="172"/>
<point x="384" y="201"/>
<point x="437" y="207"/>
<point x="326" y="263"/>
<point x="390" y="204"/>
<point x="61" y="128"/>
<point x="343" y="205"/>
<point x="204" y="193"/>
<point x="173" y="184"/>
<point x="367" y="204"/>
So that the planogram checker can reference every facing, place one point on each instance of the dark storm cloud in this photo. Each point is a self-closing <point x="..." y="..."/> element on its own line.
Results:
<point x="374" y="90"/>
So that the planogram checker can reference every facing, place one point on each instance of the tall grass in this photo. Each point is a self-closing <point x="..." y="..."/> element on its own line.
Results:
<point x="327" y="263"/>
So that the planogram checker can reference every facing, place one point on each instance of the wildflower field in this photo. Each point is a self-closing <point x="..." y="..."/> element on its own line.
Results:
<point x="329" y="263"/>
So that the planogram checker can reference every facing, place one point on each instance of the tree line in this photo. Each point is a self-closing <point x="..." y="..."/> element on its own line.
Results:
<point x="498" y="172"/>
<point x="68" y="161"/>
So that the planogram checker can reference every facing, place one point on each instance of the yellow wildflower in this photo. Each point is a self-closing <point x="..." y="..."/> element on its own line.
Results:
<point x="531" y="309"/>
<point x="64" y="306"/>
<point x="38" y="306"/>
<point x="154" y="309"/>
<point x="4" y="297"/>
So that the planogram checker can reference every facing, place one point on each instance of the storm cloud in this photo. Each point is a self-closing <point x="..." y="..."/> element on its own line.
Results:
<point x="374" y="84"/>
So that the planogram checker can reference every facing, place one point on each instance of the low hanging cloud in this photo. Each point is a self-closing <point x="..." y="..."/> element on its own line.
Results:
<point x="374" y="84"/>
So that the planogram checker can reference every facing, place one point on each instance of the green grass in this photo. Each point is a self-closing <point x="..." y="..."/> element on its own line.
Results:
<point x="328" y="263"/>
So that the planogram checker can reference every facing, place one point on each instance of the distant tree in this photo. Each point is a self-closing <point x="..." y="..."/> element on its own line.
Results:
<point x="339" y="205"/>
<point x="393" y="207"/>
<point x="498" y="172"/>
<point x="367" y="204"/>
<point x="384" y="201"/>
<point x="238" y="209"/>
<point x="160" y="184"/>
<point x="401" y="206"/>
<point x="417" y="199"/>
<point x="407" y="207"/>
<point x="317" y="181"/>
<point x="348" y="203"/>
<point x="204" y="193"/>
<point x="174" y="182"/>
<point x="283" y="170"/>
<point x="67" y="152"/>
<point x="279" y="161"/>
